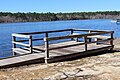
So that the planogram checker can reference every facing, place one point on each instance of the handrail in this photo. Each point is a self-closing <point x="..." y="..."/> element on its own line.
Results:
<point x="15" y="42"/>
<point x="73" y="29"/>
<point x="28" y="40"/>
<point x="20" y="35"/>
<point x="27" y="45"/>
<point x="91" y="30"/>
<point x="74" y="36"/>
<point x="42" y="32"/>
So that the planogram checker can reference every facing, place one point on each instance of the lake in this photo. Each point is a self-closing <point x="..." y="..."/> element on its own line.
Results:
<point x="6" y="29"/>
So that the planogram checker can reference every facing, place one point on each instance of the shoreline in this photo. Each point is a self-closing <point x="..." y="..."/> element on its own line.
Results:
<point x="48" y="21"/>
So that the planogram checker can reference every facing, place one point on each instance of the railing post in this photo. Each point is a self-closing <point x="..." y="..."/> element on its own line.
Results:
<point x="111" y="41"/>
<point x="13" y="44"/>
<point x="71" y="34"/>
<point x="30" y="43"/>
<point x="46" y="48"/>
<point x="85" y="41"/>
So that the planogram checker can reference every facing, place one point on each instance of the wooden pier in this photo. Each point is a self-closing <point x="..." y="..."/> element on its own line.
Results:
<point x="83" y="43"/>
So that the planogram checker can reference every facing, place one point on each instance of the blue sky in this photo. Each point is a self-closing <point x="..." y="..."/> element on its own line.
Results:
<point x="59" y="5"/>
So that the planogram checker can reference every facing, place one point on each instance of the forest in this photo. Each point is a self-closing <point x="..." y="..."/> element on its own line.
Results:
<point x="8" y="17"/>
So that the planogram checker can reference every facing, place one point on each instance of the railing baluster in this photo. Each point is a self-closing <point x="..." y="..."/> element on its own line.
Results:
<point x="111" y="41"/>
<point x="71" y="34"/>
<point x="85" y="41"/>
<point x="30" y="43"/>
<point x="46" y="48"/>
<point x="13" y="44"/>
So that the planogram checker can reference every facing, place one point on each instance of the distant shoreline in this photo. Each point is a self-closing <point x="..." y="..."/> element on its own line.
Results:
<point x="8" y="17"/>
<point x="44" y="21"/>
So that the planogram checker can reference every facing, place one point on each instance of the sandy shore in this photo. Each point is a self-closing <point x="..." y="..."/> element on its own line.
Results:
<point x="101" y="67"/>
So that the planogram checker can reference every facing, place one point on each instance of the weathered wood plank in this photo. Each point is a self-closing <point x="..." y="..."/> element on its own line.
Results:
<point x="111" y="41"/>
<point x="43" y="32"/>
<point x="65" y="45"/>
<point x="99" y="37"/>
<point x="85" y="41"/>
<point x="75" y="36"/>
<point x="21" y="51"/>
<point x="86" y="30"/>
<point x="46" y="48"/>
<point x="54" y="53"/>
<point x="20" y="59"/>
<point x="72" y="33"/>
<point x="77" y="49"/>
<point x="25" y="50"/>
<point x="30" y="43"/>
<point x="28" y="40"/>
<point x="27" y="45"/>
<point x="21" y="35"/>
<point x="14" y="45"/>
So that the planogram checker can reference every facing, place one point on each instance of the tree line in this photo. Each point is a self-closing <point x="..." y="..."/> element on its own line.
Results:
<point x="8" y="17"/>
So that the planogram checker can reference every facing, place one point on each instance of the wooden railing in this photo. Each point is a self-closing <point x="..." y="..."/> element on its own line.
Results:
<point x="15" y="42"/>
<point x="85" y="37"/>
<point x="47" y="39"/>
<point x="30" y="39"/>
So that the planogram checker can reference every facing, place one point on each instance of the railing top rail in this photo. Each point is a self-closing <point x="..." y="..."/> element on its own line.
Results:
<point x="74" y="29"/>
<point x="52" y="31"/>
<point x="21" y="35"/>
<point x="27" y="35"/>
<point x="74" y="36"/>
<point x="86" y="30"/>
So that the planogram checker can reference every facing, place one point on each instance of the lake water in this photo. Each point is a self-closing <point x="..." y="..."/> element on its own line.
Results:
<point x="8" y="28"/>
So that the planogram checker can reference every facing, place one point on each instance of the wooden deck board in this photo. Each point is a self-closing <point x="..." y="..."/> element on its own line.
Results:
<point x="20" y="59"/>
<point x="53" y="53"/>
<point x="75" y="49"/>
<point x="57" y="44"/>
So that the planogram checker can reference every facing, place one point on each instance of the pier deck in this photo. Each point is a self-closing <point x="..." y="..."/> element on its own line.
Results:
<point x="55" y="53"/>
<point x="66" y="49"/>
